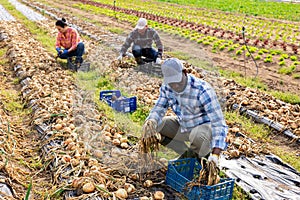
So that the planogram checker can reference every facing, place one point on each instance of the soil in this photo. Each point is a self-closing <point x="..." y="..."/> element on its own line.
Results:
<point x="175" y="44"/>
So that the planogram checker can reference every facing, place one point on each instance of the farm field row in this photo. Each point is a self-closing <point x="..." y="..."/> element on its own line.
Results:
<point x="267" y="54"/>
<point x="123" y="78"/>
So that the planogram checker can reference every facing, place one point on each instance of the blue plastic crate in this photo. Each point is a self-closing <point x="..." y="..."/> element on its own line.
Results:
<point x="182" y="171"/>
<point x="121" y="103"/>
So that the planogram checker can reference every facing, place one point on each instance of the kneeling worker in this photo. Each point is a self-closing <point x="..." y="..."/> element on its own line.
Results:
<point x="198" y="116"/>
<point x="68" y="43"/>
<point x="142" y="38"/>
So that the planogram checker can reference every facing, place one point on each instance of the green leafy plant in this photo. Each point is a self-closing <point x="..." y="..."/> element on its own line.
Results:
<point x="258" y="57"/>
<point x="287" y="70"/>
<point x="231" y="48"/>
<point x="281" y="63"/>
<point x="275" y="52"/>
<point x="293" y="58"/>
<point x="222" y="47"/>
<point x="261" y="52"/>
<point x="238" y="52"/>
<point x="296" y="76"/>
<point x="252" y="49"/>
<point x="296" y="63"/>
<point x="268" y="60"/>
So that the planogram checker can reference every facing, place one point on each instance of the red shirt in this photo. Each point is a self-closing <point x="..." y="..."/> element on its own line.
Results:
<point x="68" y="40"/>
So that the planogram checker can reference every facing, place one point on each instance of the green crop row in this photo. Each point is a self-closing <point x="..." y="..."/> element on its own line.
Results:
<point x="277" y="10"/>
<point x="217" y="44"/>
<point x="255" y="27"/>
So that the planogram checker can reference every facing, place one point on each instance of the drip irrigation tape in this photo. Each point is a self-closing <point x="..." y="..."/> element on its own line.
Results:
<point x="277" y="126"/>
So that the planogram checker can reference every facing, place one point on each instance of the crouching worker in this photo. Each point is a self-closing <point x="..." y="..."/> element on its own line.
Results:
<point x="142" y="38"/>
<point x="68" y="43"/>
<point x="199" y="119"/>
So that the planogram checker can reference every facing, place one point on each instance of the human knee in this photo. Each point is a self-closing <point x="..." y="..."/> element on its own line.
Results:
<point x="200" y="138"/>
<point x="202" y="132"/>
<point x="80" y="45"/>
<point x="80" y="49"/>
<point x="137" y="51"/>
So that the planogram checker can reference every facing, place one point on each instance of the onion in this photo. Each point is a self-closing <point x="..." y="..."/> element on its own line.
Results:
<point x="124" y="140"/>
<point x="68" y="141"/>
<point x="77" y="154"/>
<point x="116" y="142"/>
<point x="107" y="138"/>
<point x="74" y="162"/>
<point x="58" y="127"/>
<point x="134" y="176"/>
<point x="234" y="153"/>
<point x="92" y="162"/>
<point x="77" y="182"/>
<point x="124" y="145"/>
<point x="129" y="188"/>
<point x="72" y="126"/>
<point x="148" y="183"/>
<point x="121" y="193"/>
<point x="159" y="195"/>
<point x="88" y="187"/>
<point x="98" y="154"/>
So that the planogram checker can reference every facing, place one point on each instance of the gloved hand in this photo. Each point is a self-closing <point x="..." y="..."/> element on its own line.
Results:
<point x="215" y="158"/>
<point x="120" y="57"/>
<point x="65" y="51"/>
<point x="149" y="128"/>
<point x="58" y="49"/>
<point x="130" y="55"/>
<point x="158" y="61"/>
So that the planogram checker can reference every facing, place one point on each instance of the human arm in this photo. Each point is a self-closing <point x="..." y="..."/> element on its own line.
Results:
<point x="75" y="39"/>
<point x="161" y="106"/>
<point x="158" y="44"/>
<point x="127" y="44"/>
<point x="212" y="108"/>
<point x="58" y="44"/>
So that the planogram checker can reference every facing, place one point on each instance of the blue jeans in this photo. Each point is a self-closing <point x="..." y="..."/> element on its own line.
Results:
<point x="78" y="53"/>
<point x="149" y="53"/>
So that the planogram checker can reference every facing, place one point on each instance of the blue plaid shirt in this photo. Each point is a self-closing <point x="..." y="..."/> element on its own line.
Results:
<point x="196" y="105"/>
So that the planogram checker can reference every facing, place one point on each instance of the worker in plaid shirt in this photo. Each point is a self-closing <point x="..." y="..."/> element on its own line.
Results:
<point x="199" y="118"/>
<point x="142" y="38"/>
<point x="68" y="42"/>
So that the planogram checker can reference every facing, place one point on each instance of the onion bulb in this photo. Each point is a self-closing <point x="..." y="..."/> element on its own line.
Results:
<point x="159" y="195"/>
<point x="148" y="183"/>
<point x="88" y="187"/>
<point x="121" y="193"/>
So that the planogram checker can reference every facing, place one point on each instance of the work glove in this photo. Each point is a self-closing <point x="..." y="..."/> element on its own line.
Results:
<point x="120" y="57"/>
<point x="65" y="51"/>
<point x="149" y="129"/>
<point x="130" y="55"/>
<point x="158" y="61"/>
<point x="58" y="49"/>
<point x="215" y="158"/>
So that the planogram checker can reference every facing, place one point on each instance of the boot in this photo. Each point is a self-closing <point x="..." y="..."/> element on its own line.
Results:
<point x="188" y="154"/>
<point x="139" y="61"/>
<point x="78" y="61"/>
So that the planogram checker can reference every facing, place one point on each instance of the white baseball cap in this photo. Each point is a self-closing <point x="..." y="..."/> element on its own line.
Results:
<point x="142" y="22"/>
<point x="172" y="70"/>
